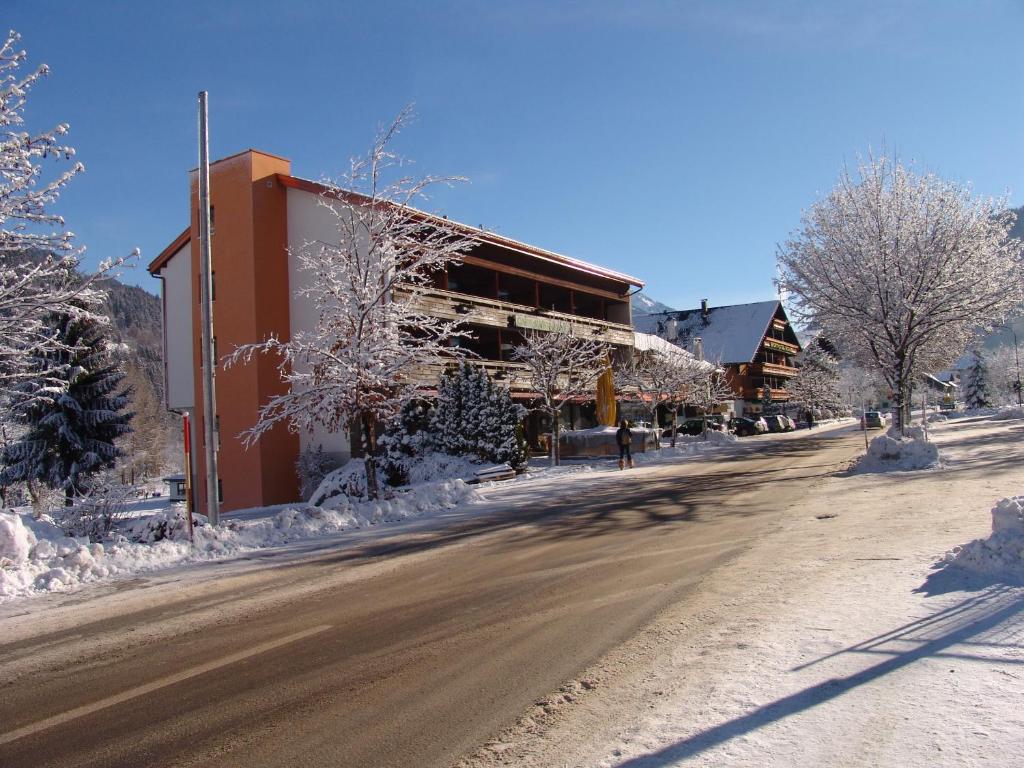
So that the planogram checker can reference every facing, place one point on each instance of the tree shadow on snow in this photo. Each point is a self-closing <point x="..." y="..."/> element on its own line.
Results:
<point x="970" y="629"/>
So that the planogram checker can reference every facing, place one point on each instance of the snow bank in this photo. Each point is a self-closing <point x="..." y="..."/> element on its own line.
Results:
<point x="890" y="453"/>
<point x="1001" y="555"/>
<point x="36" y="556"/>
<point x="1009" y="412"/>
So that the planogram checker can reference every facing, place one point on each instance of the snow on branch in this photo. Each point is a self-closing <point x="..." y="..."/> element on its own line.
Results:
<point x="902" y="269"/>
<point x="372" y="346"/>
<point x="39" y="277"/>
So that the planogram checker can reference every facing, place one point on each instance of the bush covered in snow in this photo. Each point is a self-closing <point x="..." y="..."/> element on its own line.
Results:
<point x="1002" y="554"/>
<point x="892" y="453"/>
<point x="310" y="468"/>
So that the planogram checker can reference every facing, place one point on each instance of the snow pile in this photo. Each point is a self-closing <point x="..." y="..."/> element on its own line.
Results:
<point x="36" y="555"/>
<point x="891" y="453"/>
<point x="348" y="482"/>
<point x="1009" y="412"/>
<point x="1002" y="554"/>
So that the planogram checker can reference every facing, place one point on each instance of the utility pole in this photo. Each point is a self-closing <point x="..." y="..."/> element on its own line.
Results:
<point x="206" y="282"/>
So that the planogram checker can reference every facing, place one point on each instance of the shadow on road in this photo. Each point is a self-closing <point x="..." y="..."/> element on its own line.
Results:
<point x="989" y="621"/>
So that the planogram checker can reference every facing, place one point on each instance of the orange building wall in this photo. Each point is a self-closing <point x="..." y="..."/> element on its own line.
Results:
<point x="250" y="267"/>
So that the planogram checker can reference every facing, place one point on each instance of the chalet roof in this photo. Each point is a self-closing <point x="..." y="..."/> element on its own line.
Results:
<point x="730" y="334"/>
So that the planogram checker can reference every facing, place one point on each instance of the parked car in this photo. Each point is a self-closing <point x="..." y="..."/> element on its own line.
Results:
<point x="780" y="423"/>
<point x="744" y="426"/>
<point x="873" y="420"/>
<point x="695" y="426"/>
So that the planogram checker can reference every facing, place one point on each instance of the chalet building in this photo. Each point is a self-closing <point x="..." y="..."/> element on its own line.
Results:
<point x="260" y="212"/>
<point x="753" y="342"/>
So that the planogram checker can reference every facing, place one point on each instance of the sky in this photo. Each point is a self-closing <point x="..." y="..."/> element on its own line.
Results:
<point x="676" y="142"/>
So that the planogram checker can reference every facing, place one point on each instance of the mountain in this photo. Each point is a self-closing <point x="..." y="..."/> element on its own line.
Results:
<point x="645" y="305"/>
<point x="136" y="323"/>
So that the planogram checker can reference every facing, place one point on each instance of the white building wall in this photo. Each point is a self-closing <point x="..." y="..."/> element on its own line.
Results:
<point x="308" y="221"/>
<point x="178" y="298"/>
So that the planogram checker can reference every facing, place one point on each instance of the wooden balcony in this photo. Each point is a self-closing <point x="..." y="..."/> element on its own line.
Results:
<point x="771" y="369"/>
<point x="511" y="375"/>
<point x="502" y="314"/>
<point x="781" y="346"/>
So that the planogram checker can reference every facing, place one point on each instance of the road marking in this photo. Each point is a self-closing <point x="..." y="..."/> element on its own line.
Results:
<point x="162" y="682"/>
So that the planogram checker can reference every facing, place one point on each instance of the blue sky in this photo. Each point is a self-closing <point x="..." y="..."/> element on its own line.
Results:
<point x="677" y="142"/>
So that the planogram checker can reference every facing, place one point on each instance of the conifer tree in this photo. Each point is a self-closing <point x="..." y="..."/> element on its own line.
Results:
<point x="976" y="393"/>
<point x="475" y="417"/>
<point x="70" y="432"/>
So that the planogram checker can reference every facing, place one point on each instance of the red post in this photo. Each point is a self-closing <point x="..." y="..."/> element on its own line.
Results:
<point x="186" y="428"/>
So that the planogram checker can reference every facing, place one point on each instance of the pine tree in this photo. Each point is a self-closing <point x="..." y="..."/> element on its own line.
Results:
<point x="475" y="417"/>
<point x="976" y="394"/>
<point x="70" y="432"/>
<point x="766" y="400"/>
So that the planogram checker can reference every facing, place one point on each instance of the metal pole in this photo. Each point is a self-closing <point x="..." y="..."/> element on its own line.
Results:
<point x="1016" y="356"/>
<point x="206" y="280"/>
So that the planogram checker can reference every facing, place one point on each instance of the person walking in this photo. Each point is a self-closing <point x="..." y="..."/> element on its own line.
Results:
<point x="810" y="419"/>
<point x="624" y="438"/>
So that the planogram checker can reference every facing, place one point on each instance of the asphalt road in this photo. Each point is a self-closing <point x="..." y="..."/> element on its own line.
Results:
<point x="412" y="664"/>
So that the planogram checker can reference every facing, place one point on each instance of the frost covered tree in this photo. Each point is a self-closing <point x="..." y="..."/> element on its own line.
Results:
<point x="767" y="401"/>
<point x="311" y="468"/>
<point x="976" y="393"/>
<point x="1003" y="364"/>
<point x="560" y="367"/>
<point x="38" y="259"/>
<point x="476" y="417"/>
<point x="901" y="269"/>
<point x="708" y="389"/>
<point x="71" y="434"/>
<point x="661" y="379"/>
<point x="372" y="344"/>
<point x="817" y="384"/>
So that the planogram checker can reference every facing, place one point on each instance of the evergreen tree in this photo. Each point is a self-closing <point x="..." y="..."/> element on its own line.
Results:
<point x="475" y="417"/>
<point x="405" y="438"/>
<point x="976" y="393"/>
<point x="766" y="400"/>
<point x="72" y="415"/>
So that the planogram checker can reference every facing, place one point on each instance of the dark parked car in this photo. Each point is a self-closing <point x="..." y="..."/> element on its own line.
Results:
<point x="695" y="426"/>
<point x="873" y="420"/>
<point x="744" y="426"/>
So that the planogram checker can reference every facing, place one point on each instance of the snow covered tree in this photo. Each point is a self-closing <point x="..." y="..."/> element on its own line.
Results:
<point x="406" y="437"/>
<point x="560" y="367"/>
<point x="816" y="385"/>
<point x="372" y="344"/>
<point x="767" y="402"/>
<point x="976" y="384"/>
<point x="70" y="435"/>
<point x="708" y="389"/>
<point x="38" y="260"/>
<point x="661" y="379"/>
<point x="901" y="270"/>
<point x="476" y="417"/>
<point x="1003" y="365"/>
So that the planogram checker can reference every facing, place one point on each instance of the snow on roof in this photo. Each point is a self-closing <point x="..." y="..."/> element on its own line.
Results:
<point x="730" y="334"/>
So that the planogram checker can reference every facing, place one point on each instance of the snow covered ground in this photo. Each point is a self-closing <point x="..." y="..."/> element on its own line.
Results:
<point x="845" y="638"/>
<point x="36" y="557"/>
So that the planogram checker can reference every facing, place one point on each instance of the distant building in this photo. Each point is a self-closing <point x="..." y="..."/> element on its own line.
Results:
<point x="755" y="343"/>
<point x="260" y="214"/>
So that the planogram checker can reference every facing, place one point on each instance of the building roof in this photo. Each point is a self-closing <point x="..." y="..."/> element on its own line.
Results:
<point x="165" y="255"/>
<point x="730" y="334"/>
<point x="477" y="233"/>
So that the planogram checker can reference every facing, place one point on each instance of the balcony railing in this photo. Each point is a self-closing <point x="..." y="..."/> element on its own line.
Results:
<point x="504" y="314"/>
<point x="781" y="346"/>
<point x="771" y="369"/>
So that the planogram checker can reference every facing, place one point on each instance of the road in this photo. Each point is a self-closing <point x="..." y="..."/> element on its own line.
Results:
<point x="410" y="650"/>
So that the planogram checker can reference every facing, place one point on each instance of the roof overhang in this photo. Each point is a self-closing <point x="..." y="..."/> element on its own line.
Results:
<point x="165" y="255"/>
<point x="481" y="235"/>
